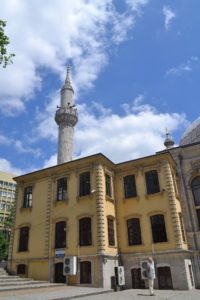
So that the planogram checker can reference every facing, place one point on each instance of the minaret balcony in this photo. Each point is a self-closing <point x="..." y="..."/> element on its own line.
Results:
<point x="68" y="116"/>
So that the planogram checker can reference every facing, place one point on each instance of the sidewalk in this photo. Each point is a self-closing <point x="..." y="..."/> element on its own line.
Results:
<point x="53" y="293"/>
<point x="85" y="293"/>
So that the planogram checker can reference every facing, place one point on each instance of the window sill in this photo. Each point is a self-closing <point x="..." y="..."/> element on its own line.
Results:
<point x="60" y="248"/>
<point x="60" y="202"/>
<point x="110" y="199"/>
<point x="147" y="196"/>
<point x="26" y="208"/>
<point x="157" y="243"/>
<point x="137" y="198"/>
<point x="85" y="197"/>
<point x="85" y="246"/>
<point x="113" y="247"/>
<point x="138" y="245"/>
<point x="23" y="251"/>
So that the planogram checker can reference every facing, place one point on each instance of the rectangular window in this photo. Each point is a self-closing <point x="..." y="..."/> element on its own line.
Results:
<point x="129" y="186"/>
<point x="21" y="269"/>
<point x="60" y="235"/>
<point x="111" y="232"/>
<point x="158" y="229"/>
<point x="182" y="227"/>
<point x="85" y="233"/>
<point x="28" y="196"/>
<point x="152" y="182"/>
<point x="108" y="186"/>
<point x="23" y="239"/>
<point x="134" y="232"/>
<point x="198" y="216"/>
<point x="62" y="189"/>
<point x="84" y="184"/>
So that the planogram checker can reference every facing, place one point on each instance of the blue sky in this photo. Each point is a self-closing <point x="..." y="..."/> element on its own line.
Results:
<point x="135" y="68"/>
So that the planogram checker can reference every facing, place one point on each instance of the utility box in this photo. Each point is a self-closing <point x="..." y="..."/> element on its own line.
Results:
<point x="70" y="265"/>
<point x="144" y="269"/>
<point x="119" y="274"/>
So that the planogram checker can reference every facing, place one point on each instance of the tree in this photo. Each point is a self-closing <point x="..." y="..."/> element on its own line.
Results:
<point x="4" y="245"/>
<point x="5" y="58"/>
<point x="5" y="233"/>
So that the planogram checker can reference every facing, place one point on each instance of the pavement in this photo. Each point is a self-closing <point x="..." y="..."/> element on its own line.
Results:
<point x="86" y="293"/>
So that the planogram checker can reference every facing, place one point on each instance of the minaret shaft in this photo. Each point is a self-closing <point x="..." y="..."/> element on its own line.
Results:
<point x="66" y="117"/>
<point x="65" y="142"/>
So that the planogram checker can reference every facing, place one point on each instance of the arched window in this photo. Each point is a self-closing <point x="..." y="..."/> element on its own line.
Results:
<point x="111" y="232"/>
<point x="158" y="229"/>
<point x="152" y="182"/>
<point x="60" y="235"/>
<point x="62" y="189"/>
<point x="85" y="232"/>
<point x="23" y="239"/>
<point x="84" y="184"/>
<point x="28" y="196"/>
<point x="196" y="194"/>
<point x="134" y="232"/>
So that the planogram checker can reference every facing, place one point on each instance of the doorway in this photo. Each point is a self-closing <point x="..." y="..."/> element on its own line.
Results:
<point x="137" y="281"/>
<point x="59" y="277"/>
<point x="85" y="272"/>
<point x="164" y="278"/>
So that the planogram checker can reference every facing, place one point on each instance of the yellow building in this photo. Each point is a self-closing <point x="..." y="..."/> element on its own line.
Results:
<point x="7" y="195"/>
<point x="106" y="215"/>
<point x="87" y="216"/>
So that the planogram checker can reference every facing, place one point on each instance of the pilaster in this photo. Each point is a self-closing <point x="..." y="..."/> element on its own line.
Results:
<point x="100" y="209"/>
<point x="172" y="204"/>
<point x="47" y="242"/>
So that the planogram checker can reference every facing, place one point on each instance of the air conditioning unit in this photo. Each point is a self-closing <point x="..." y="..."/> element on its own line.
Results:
<point x="144" y="269"/>
<point x="70" y="265"/>
<point x="119" y="274"/>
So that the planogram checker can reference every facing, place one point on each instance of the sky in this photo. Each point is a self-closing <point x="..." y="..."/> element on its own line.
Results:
<point x="135" y="70"/>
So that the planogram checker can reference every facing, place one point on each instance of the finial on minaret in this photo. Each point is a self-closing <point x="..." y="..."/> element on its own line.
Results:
<point x="68" y="72"/>
<point x="169" y="143"/>
<point x="66" y="117"/>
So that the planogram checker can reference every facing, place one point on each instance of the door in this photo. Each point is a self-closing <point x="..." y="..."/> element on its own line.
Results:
<point x="137" y="281"/>
<point x="85" y="272"/>
<point x="59" y="277"/>
<point x="164" y="278"/>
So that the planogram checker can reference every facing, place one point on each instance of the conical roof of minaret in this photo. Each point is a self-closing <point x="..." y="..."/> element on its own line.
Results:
<point x="67" y="84"/>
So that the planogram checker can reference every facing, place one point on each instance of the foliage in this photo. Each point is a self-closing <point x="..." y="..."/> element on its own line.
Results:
<point x="9" y="220"/>
<point x="5" y="58"/>
<point x="5" y="234"/>
<point x="4" y="244"/>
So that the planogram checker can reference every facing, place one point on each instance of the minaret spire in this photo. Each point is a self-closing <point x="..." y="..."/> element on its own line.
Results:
<point x="66" y="117"/>
<point x="169" y="143"/>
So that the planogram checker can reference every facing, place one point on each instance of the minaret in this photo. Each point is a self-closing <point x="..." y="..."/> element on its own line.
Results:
<point x="169" y="143"/>
<point x="66" y="117"/>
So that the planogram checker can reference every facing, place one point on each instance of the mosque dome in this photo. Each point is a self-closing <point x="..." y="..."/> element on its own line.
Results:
<point x="192" y="133"/>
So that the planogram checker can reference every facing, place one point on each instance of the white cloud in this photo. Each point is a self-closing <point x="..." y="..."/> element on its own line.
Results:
<point x="52" y="161"/>
<point x="138" y="132"/>
<point x="22" y="149"/>
<point x="169" y="16"/>
<point x="47" y="34"/>
<point x="187" y="66"/>
<point x="6" y="166"/>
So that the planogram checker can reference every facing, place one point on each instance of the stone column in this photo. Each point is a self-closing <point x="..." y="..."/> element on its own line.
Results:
<point x="172" y="204"/>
